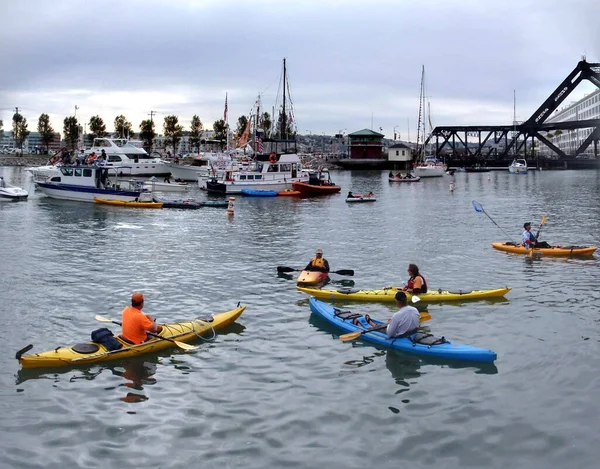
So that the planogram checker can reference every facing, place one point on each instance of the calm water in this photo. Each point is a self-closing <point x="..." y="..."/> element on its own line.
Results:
<point x="279" y="389"/>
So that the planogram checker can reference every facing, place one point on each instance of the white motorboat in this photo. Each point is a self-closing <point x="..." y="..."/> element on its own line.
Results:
<point x="83" y="183"/>
<point x="518" y="166"/>
<point x="270" y="172"/>
<point x="122" y="153"/>
<point x="40" y="173"/>
<point x="155" y="185"/>
<point x="8" y="191"/>
<point x="431" y="167"/>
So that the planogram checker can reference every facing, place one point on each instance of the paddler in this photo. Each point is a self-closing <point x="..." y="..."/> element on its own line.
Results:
<point x="416" y="283"/>
<point x="403" y="323"/>
<point x="529" y="240"/>
<point x="318" y="263"/>
<point x="135" y="323"/>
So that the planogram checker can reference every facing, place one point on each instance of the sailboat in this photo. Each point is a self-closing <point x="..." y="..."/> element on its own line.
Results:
<point x="519" y="165"/>
<point x="428" y="166"/>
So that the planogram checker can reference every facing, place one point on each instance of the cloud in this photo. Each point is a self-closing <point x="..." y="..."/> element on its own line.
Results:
<point x="347" y="60"/>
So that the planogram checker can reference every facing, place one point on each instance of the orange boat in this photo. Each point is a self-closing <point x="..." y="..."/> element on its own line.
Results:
<point x="315" y="189"/>
<point x="311" y="277"/>
<point x="289" y="192"/>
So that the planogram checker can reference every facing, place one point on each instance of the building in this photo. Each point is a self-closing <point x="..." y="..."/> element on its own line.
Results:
<point x="400" y="155"/>
<point x="584" y="109"/>
<point x="32" y="144"/>
<point x="366" y="144"/>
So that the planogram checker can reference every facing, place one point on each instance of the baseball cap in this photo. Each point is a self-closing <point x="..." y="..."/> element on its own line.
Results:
<point x="319" y="251"/>
<point x="137" y="297"/>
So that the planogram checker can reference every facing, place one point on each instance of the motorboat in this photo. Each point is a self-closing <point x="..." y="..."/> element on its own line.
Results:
<point x="84" y="183"/>
<point x="8" y="191"/>
<point x="154" y="185"/>
<point x="518" y="166"/>
<point x="40" y="173"/>
<point x="122" y="153"/>
<point x="271" y="172"/>
<point x="431" y="167"/>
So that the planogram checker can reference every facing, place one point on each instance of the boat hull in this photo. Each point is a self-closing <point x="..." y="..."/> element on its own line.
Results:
<point x="184" y="172"/>
<point x="387" y="295"/>
<point x="429" y="171"/>
<point x="84" y="193"/>
<point x="311" y="278"/>
<point x="309" y="189"/>
<point x="355" y="200"/>
<point x="394" y="179"/>
<point x="182" y="331"/>
<point x="555" y="251"/>
<point x="447" y="350"/>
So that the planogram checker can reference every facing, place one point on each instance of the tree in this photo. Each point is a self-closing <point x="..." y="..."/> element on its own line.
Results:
<point x="71" y="131"/>
<point x="20" y="132"/>
<point x="265" y="122"/>
<point x="241" y="125"/>
<point x="220" y="131"/>
<point x="173" y="131"/>
<point x="147" y="134"/>
<point x="195" y="132"/>
<point x="1" y="130"/>
<point x="97" y="127"/>
<point x="289" y="132"/>
<point x="123" y="127"/>
<point x="46" y="131"/>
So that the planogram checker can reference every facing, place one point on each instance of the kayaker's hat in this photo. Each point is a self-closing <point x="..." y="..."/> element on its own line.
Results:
<point x="526" y="225"/>
<point x="319" y="251"/>
<point x="137" y="298"/>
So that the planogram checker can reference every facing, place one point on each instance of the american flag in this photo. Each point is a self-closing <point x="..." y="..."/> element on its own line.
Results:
<point x="259" y="144"/>
<point x="225" y="112"/>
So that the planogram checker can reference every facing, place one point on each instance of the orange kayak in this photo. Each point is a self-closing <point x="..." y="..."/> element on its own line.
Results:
<point x="309" y="277"/>
<point x="554" y="251"/>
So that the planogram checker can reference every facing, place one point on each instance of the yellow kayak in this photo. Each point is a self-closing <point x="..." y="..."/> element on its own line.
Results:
<point x="555" y="251"/>
<point x="388" y="294"/>
<point x="123" y="203"/>
<point x="185" y="332"/>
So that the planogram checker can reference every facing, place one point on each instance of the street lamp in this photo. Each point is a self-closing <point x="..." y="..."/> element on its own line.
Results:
<point x="395" y="127"/>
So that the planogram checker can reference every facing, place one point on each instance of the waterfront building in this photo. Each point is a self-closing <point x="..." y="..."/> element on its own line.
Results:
<point x="400" y="155"/>
<point x="586" y="108"/>
<point x="32" y="144"/>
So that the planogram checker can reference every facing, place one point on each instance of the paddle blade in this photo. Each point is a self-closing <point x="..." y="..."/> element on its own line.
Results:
<point x="477" y="206"/>
<point x="350" y="336"/>
<point x="102" y="318"/>
<point x="285" y="269"/>
<point x="184" y="346"/>
<point x="349" y="272"/>
<point x="543" y="219"/>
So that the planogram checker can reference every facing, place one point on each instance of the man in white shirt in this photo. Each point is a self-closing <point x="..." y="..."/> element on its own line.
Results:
<point x="531" y="241"/>
<point x="405" y="321"/>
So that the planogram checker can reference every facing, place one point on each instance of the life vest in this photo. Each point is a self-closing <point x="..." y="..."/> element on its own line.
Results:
<point x="319" y="263"/>
<point x="411" y="283"/>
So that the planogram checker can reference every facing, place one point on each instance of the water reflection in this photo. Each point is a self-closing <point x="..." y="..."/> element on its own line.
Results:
<point x="136" y="374"/>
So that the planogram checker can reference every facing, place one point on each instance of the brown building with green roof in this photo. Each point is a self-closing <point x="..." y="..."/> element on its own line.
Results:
<point x="365" y="150"/>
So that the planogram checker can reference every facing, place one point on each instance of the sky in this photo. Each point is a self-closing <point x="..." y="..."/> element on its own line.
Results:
<point x="351" y="64"/>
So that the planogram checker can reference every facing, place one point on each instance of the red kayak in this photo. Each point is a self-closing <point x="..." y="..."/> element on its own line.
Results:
<point x="311" y="277"/>
<point x="313" y="189"/>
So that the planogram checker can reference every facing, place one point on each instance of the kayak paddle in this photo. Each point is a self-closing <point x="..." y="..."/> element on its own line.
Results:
<point x="479" y="208"/>
<point x="179" y="344"/>
<point x="283" y="269"/>
<point x="423" y="316"/>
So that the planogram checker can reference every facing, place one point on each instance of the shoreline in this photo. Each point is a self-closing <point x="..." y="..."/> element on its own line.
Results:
<point x="25" y="160"/>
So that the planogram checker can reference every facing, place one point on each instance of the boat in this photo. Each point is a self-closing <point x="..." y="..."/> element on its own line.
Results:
<point x="121" y="152"/>
<point x="554" y="251"/>
<point x="41" y="173"/>
<point x="416" y="343"/>
<point x="10" y="192"/>
<point x="431" y="167"/>
<point x="289" y="193"/>
<point x="259" y="193"/>
<point x="84" y="183"/>
<point x="403" y="178"/>
<point x="91" y="352"/>
<point x="312" y="277"/>
<point x="127" y="203"/>
<point x="358" y="198"/>
<point x="154" y="185"/>
<point x="388" y="294"/>
<point x="319" y="183"/>
<point x="215" y="203"/>
<point x="518" y="166"/>
<point x="477" y="169"/>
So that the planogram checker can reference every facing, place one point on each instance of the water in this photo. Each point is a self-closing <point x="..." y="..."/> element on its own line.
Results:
<point x="279" y="389"/>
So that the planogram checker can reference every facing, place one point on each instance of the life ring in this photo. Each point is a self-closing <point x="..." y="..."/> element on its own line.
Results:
<point x="273" y="158"/>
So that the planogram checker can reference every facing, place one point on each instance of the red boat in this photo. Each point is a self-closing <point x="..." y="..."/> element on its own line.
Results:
<point x="305" y="188"/>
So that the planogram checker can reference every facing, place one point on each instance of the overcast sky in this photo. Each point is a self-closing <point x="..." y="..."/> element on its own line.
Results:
<point x="349" y="62"/>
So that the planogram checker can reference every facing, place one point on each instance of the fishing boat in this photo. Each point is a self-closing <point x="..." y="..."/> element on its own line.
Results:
<point x="122" y="153"/>
<point x="84" y="183"/>
<point x="91" y="352"/>
<point x="518" y="166"/>
<point x="10" y="192"/>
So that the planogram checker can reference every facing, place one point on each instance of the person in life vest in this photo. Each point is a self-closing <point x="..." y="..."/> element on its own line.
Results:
<point x="531" y="241"/>
<point x="318" y="263"/>
<point x="135" y="323"/>
<point x="416" y="282"/>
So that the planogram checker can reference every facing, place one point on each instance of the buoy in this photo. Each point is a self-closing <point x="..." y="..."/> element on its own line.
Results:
<point x="452" y="186"/>
<point x="489" y="177"/>
<point x="230" y="206"/>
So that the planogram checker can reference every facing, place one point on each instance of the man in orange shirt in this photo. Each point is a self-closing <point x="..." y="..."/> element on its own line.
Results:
<point x="135" y="323"/>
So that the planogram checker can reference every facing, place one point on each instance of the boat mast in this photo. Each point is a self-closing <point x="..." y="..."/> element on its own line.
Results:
<point x="284" y="116"/>
<point x="420" y="150"/>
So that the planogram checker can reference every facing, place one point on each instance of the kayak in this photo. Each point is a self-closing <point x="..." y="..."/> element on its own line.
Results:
<point x="388" y="294"/>
<point x="289" y="193"/>
<point x="91" y="352"/>
<point x="552" y="251"/>
<point x="133" y="204"/>
<point x="178" y="203"/>
<point x="438" y="348"/>
<point x="310" y="277"/>
<point x="259" y="193"/>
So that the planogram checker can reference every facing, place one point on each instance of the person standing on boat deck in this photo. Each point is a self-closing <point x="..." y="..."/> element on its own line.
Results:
<point x="529" y="240"/>
<point x="135" y="323"/>
<point x="318" y="263"/>
<point x="103" y="155"/>
<point x="416" y="283"/>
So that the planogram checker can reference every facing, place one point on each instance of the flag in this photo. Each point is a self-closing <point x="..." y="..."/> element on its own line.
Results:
<point x="259" y="144"/>
<point x="225" y="113"/>
<point x="245" y="135"/>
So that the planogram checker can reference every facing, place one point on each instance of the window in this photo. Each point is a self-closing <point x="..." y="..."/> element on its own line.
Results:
<point x="242" y="177"/>
<point x="285" y="167"/>
<point x="87" y="173"/>
<point x="77" y="172"/>
<point x="403" y="152"/>
<point x="67" y="171"/>
<point x="114" y="159"/>
<point x="273" y="168"/>
<point x="258" y="176"/>
<point x="398" y="153"/>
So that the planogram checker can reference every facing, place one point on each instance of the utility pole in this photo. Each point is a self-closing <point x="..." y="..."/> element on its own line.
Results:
<point x="151" y="114"/>
<point x="21" y="145"/>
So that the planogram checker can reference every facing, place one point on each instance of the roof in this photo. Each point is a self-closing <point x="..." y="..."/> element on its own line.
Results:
<point x="365" y="133"/>
<point x="400" y="145"/>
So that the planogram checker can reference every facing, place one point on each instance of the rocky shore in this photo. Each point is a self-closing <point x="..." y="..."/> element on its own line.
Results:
<point x="25" y="160"/>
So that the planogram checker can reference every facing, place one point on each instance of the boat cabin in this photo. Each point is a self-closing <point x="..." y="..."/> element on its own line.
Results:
<point x="97" y="177"/>
<point x="119" y="150"/>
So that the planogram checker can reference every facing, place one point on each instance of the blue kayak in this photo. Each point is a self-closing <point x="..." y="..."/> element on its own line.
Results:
<point x="342" y="319"/>
<point x="259" y="193"/>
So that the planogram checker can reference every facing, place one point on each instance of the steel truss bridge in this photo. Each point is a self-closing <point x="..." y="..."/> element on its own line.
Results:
<point x="500" y="141"/>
